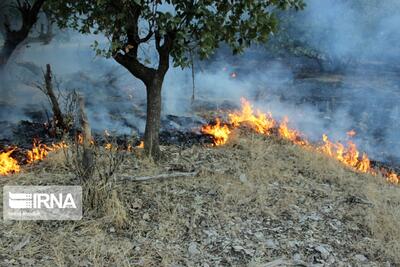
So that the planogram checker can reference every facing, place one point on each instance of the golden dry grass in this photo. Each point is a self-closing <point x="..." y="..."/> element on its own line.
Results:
<point x="251" y="190"/>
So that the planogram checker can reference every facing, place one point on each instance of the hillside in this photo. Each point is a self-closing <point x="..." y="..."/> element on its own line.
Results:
<point x="256" y="201"/>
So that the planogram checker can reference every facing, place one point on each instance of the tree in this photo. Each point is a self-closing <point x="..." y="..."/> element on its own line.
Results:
<point x="172" y="28"/>
<point x="24" y="14"/>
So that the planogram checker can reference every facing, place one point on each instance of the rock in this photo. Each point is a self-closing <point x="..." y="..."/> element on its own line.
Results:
<point x="323" y="251"/>
<point x="361" y="258"/>
<point x="271" y="244"/>
<point x="238" y="248"/>
<point x="193" y="250"/>
<point x="293" y="243"/>
<point x="259" y="235"/>
<point x="276" y="263"/>
<point x="25" y="240"/>
<point x="146" y="217"/>
<point x="243" y="178"/>
<point x="296" y="257"/>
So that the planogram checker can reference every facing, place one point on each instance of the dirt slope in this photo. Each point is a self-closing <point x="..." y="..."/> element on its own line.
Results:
<point x="256" y="202"/>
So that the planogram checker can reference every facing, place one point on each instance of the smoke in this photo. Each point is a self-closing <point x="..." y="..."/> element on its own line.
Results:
<point x="350" y="29"/>
<point x="360" y="96"/>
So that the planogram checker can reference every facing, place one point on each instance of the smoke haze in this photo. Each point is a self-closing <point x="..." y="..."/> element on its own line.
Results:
<point x="362" y="96"/>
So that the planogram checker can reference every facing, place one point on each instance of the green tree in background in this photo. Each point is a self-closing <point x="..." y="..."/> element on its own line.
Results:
<point x="173" y="29"/>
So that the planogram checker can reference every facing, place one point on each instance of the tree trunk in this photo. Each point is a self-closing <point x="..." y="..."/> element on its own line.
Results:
<point x="58" y="116"/>
<point x="28" y="16"/>
<point x="6" y="52"/>
<point x="153" y="120"/>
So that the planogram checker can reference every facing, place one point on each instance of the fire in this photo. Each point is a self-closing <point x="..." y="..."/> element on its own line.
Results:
<point x="108" y="146"/>
<point x="393" y="178"/>
<point x="258" y="121"/>
<point x="79" y="138"/>
<point x="351" y="133"/>
<point x="8" y="165"/>
<point x="264" y="123"/>
<point x="141" y="145"/>
<point x="348" y="155"/>
<point x="290" y="134"/>
<point x="40" y="151"/>
<point x="219" y="132"/>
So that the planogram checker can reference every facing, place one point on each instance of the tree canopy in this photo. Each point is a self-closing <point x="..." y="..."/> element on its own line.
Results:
<point x="172" y="29"/>
<point x="188" y="24"/>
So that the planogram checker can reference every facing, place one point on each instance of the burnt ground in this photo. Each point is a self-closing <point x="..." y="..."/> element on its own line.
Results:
<point x="256" y="201"/>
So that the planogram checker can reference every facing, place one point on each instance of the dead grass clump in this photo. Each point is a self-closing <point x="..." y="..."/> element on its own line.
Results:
<point x="97" y="183"/>
<point x="383" y="220"/>
<point x="115" y="210"/>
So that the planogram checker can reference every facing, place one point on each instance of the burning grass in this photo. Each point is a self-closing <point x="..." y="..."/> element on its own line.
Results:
<point x="265" y="124"/>
<point x="255" y="199"/>
<point x="10" y="165"/>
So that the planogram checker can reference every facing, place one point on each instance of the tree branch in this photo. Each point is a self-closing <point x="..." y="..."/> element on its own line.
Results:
<point x="139" y="70"/>
<point x="164" y="50"/>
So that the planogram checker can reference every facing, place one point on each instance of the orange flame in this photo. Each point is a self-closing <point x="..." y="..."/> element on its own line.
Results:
<point x="141" y="145"/>
<point x="263" y="123"/>
<point x="351" y="133"/>
<point x="79" y="138"/>
<point x="290" y="134"/>
<point x="349" y="155"/>
<point x="40" y="151"/>
<point x="258" y="121"/>
<point x="393" y="178"/>
<point x="108" y="146"/>
<point x="218" y="131"/>
<point x="8" y="165"/>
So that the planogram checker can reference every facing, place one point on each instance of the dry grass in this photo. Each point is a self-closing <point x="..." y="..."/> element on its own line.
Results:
<point x="247" y="192"/>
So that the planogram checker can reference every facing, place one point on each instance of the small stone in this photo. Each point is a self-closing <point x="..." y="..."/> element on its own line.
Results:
<point x="323" y="251"/>
<point x="238" y="248"/>
<point x="270" y="244"/>
<point x="25" y="240"/>
<point x="193" y="250"/>
<point x="297" y="257"/>
<point x="293" y="243"/>
<point x="243" y="178"/>
<point x="111" y="230"/>
<point x="259" y="235"/>
<point x="361" y="258"/>
<point x="146" y="217"/>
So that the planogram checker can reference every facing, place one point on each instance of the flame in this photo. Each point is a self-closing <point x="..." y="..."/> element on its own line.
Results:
<point x="348" y="155"/>
<point x="79" y="138"/>
<point x="290" y="134"/>
<point x="108" y="146"/>
<point x="393" y="178"/>
<point x="141" y="145"/>
<point x="351" y="133"/>
<point x="219" y="132"/>
<point x="40" y="151"/>
<point x="258" y="121"/>
<point x="8" y="165"/>
<point x="263" y="123"/>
